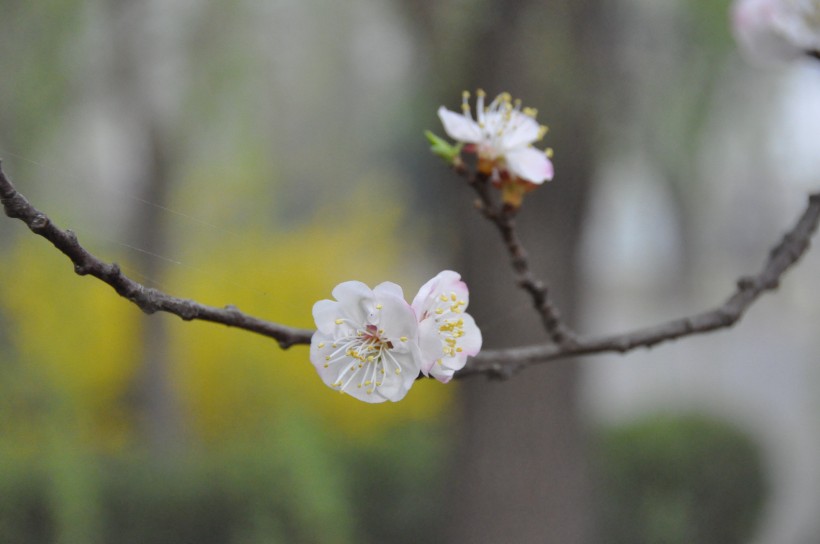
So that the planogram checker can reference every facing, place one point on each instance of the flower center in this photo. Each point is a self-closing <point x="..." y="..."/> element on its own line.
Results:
<point x="499" y="121"/>
<point x="363" y="357"/>
<point x="450" y="328"/>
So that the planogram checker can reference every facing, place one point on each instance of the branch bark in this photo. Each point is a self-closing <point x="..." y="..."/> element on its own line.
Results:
<point x="148" y="299"/>
<point x="503" y="364"/>
<point x="502" y="217"/>
<point x="499" y="364"/>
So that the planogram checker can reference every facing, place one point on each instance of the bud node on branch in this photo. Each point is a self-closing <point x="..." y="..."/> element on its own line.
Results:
<point x="496" y="364"/>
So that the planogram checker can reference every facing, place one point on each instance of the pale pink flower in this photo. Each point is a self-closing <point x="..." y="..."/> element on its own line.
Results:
<point x="366" y="344"/>
<point x="447" y="335"/>
<point x="777" y="30"/>
<point x="501" y="135"/>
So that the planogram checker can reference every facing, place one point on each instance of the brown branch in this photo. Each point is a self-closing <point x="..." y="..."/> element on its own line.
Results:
<point x="493" y="363"/>
<point x="148" y="299"/>
<point x="505" y="363"/>
<point x="502" y="217"/>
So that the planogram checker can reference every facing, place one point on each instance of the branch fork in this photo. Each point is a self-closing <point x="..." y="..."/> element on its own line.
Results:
<point x="497" y="364"/>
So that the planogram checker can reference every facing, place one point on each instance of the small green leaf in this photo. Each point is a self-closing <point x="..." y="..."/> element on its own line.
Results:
<point x="442" y="148"/>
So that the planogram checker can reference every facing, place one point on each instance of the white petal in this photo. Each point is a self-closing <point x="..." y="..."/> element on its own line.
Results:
<point x="443" y="373"/>
<point x="389" y="288"/>
<point x="317" y="354"/>
<point x="437" y="363"/>
<point x="322" y="348"/>
<point x="530" y="164"/>
<point x="459" y="127"/>
<point x="356" y="301"/>
<point x="350" y="292"/>
<point x="471" y="342"/>
<point x="431" y="344"/>
<point x="325" y="313"/>
<point x="522" y="130"/>
<point x="396" y="385"/>
<point x="397" y="319"/>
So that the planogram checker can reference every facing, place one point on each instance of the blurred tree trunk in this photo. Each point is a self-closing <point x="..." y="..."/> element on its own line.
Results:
<point x="520" y="472"/>
<point x="152" y="394"/>
<point x="154" y="398"/>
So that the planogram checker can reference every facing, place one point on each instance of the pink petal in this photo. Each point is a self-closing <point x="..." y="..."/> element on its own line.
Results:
<point x="530" y="164"/>
<point x="445" y="282"/>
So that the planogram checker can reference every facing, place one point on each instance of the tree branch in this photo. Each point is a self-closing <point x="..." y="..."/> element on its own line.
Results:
<point x="500" y="364"/>
<point x="505" y="363"/>
<point x="149" y="300"/>
<point x="503" y="218"/>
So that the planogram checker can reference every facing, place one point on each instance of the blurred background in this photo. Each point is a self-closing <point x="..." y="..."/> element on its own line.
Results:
<point x="258" y="153"/>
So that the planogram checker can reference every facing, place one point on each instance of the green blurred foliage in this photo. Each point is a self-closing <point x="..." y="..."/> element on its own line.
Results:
<point x="295" y="484"/>
<point x="682" y="479"/>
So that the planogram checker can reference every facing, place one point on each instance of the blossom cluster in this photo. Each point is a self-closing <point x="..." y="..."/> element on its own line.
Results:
<point x="372" y="344"/>
<point x="501" y="136"/>
<point x="777" y="30"/>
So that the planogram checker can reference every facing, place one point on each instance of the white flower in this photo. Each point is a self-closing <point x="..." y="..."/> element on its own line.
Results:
<point x="366" y="344"/>
<point x="777" y="30"/>
<point x="447" y="335"/>
<point x="502" y="135"/>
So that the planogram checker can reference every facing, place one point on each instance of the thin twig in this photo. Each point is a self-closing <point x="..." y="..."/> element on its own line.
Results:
<point x="148" y="299"/>
<point x="503" y="218"/>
